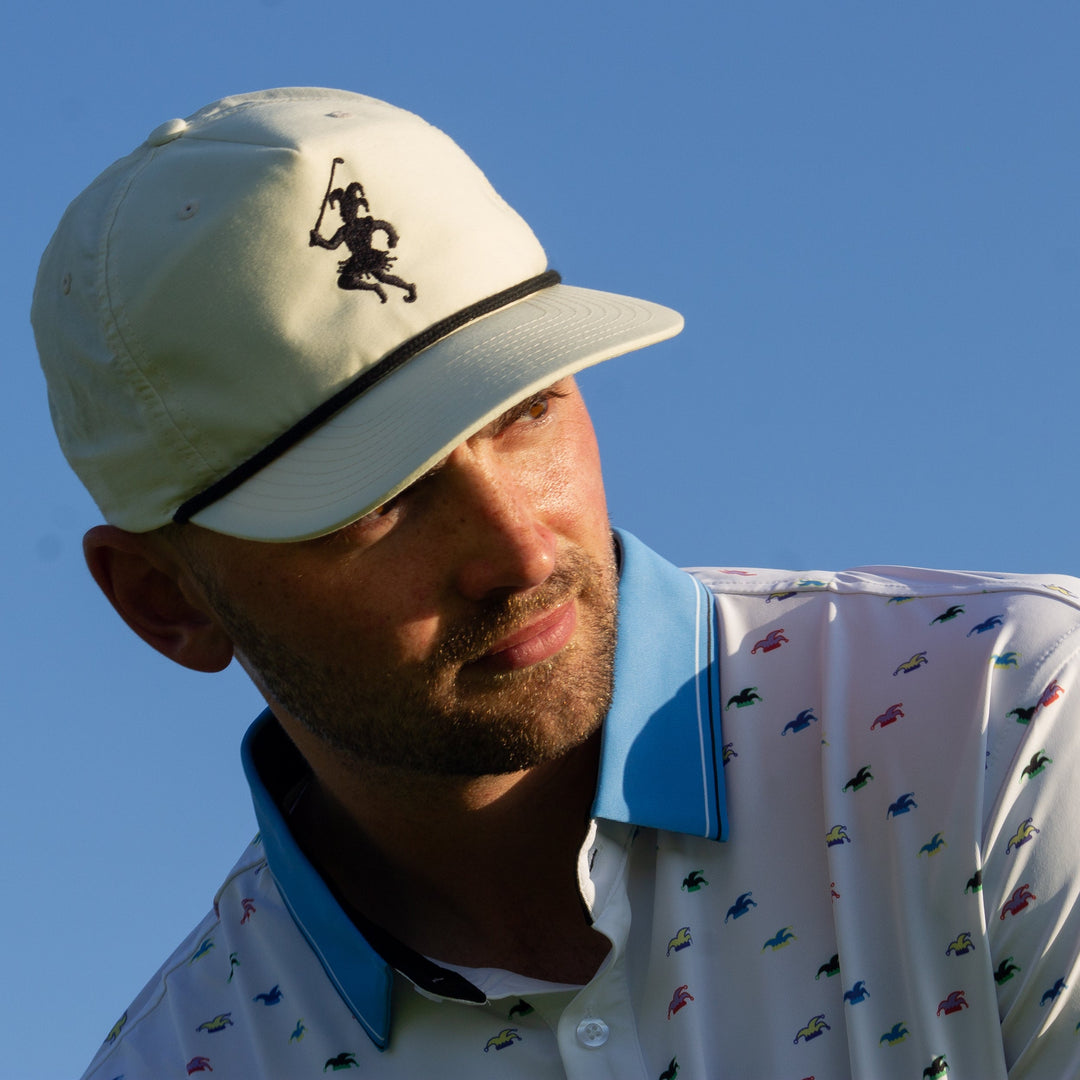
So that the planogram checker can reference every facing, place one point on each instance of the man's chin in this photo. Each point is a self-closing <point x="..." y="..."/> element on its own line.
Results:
<point x="514" y="754"/>
<point x="513" y="723"/>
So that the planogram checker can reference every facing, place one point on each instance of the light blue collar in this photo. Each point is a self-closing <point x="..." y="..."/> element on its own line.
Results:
<point x="363" y="979"/>
<point x="660" y="764"/>
<point x="661" y="760"/>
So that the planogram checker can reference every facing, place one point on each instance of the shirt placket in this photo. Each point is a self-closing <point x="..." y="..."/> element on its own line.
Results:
<point x="597" y="1032"/>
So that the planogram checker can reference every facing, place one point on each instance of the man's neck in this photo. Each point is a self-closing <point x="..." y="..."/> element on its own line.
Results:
<point x="480" y="872"/>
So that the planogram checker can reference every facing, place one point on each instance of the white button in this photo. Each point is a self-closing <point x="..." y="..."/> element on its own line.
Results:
<point x="165" y="133"/>
<point x="592" y="1032"/>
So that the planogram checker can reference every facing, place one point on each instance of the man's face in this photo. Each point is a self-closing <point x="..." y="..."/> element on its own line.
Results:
<point x="466" y="628"/>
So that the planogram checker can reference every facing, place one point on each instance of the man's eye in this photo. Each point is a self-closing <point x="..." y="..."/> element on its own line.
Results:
<point x="385" y="508"/>
<point x="379" y="512"/>
<point x="533" y="409"/>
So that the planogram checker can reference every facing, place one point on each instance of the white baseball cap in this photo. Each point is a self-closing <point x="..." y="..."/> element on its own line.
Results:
<point x="273" y="316"/>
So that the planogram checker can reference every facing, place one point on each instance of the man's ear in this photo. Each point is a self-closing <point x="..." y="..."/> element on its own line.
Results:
<point x="156" y="595"/>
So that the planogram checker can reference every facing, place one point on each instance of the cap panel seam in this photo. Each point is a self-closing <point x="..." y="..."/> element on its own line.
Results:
<point x="153" y="393"/>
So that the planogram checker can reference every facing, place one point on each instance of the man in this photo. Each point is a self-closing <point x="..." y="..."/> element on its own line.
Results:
<point x="533" y="802"/>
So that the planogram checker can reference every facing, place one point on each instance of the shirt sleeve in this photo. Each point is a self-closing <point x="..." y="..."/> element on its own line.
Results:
<point x="1031" y="854"/>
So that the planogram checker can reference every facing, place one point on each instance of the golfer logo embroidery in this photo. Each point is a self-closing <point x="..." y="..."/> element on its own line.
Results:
<point x="368" y="266"/>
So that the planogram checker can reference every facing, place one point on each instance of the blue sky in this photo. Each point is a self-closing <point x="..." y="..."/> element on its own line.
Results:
<point x="867" y="212"/>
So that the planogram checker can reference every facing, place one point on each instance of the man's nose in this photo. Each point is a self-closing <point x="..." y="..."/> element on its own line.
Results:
<point x="503" y="543"/>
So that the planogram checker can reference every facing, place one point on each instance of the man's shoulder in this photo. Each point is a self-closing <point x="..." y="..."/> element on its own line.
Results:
<point x="1024" y="621"/>
<point x="878" y="593"/>
<point x="186" y="981"/>
<point x="895" y="583"/>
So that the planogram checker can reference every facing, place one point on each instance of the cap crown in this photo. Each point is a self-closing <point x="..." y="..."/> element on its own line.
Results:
<point x="239" y="268"/>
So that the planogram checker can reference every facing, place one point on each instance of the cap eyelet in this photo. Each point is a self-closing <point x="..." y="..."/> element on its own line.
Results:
<point x="188" y="210"/>
<point x="165" y="133"/>
<point x="65" y="284"/>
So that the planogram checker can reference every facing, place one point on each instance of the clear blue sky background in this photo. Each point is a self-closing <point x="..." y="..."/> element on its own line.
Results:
<point x="867" y="211"/>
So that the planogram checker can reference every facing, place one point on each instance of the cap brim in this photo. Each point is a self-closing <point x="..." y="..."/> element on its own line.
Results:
<point x="384" y="440"/>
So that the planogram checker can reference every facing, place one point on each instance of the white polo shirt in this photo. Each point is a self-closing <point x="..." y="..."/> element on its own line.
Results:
<point x="887" y="887"/>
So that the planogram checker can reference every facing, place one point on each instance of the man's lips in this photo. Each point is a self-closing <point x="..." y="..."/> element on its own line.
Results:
<point x="533" y="643"/>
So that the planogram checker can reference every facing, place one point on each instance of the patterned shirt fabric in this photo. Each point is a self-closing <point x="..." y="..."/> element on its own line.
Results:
<point x="896" y="895"/>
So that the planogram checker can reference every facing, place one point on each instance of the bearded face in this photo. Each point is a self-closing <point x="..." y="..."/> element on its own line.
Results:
<point x="455" y="713"/>
<point x="465" y="628"/>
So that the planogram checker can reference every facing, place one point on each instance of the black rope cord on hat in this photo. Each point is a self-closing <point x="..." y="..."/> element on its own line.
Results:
<point x="361" y="384"/>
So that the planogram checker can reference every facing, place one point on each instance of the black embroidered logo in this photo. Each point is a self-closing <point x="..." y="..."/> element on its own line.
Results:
<point x="366" y="265"/>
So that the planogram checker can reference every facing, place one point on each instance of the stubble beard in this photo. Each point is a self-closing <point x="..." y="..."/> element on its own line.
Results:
<point x="445" y="717"/>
